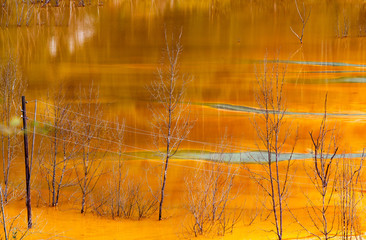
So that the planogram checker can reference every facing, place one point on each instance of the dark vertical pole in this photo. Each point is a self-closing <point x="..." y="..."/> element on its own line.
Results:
<point x="26" y="158"/>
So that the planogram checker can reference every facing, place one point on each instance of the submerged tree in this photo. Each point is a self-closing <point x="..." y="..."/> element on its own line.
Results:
<point x="171" y="118"/>
<point x="12" y="86"/>
<point x="61" y="147"/>
<point x="324" y="177"/>
<point x="89" y="169"/>
<point x="274" y="136"/>
<point x="323" y="173"/>
<point x="350" y="191"/>
<point x="209" y="195"/>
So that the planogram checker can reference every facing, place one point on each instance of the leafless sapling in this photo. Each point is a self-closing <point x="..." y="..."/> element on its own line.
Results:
<point x="119" y="174"/>
<point x="62" y="146"/>
<point x="171" y="117"/>
<point x="89" y="170"/>
<point x="209" y="195"/>
<point x="350" y="192"/>
<point x="274" y="136"/>
<point x="323" y="174"/>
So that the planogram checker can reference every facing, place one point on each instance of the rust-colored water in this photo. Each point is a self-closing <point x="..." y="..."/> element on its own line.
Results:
<point x="118" y="46"/>
<point x="66" y="220"/>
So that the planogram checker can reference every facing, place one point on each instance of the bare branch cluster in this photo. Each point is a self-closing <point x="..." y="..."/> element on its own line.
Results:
<point x="125" y="198"/>
<point x="55" y="159"/>
<point x="208" y="198"/>
<point x="12" y="86"/>
<point x="350" y="191"/>
<point x="89" y="169"/>
<point x="273" y="135"/>
<point x="323" y="175"/>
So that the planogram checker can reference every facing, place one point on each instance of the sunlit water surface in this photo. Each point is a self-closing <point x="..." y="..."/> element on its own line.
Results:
<point x="118" y="46"/>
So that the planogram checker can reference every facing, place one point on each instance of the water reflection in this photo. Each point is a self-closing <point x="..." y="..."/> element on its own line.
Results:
<point x="119" y="45"/>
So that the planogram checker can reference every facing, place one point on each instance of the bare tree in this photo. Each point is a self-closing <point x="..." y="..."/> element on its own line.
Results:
<point x="62" y="147"/>
<point x="89" y="170"/>
<point x="304" y="17"/>
<point x="12" y="86"/>
<point x="209" y="193"/>
<point x="273" y="135"/>
<point x="171" y="118"/>
<point x="119" y="174"/>
<point x="323" y="175"/>
<point x="350" y="194"/>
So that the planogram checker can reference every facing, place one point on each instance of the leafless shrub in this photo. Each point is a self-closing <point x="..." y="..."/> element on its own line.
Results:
<point x="89" y="169"/>
<point x="131" y="199"/>
<point x="123" y="196"/>
<point x="145" y="203"/>
<point x="350" y="193"/>
<point x="119" y="174"/>
<point x="209" y="194"/>
<point x="60" y="148"/>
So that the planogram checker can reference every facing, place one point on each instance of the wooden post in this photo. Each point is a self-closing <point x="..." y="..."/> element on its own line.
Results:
<point x="26" y="159"/>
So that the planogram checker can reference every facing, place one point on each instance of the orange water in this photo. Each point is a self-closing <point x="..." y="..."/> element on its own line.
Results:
<point x="119" y="45"/>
